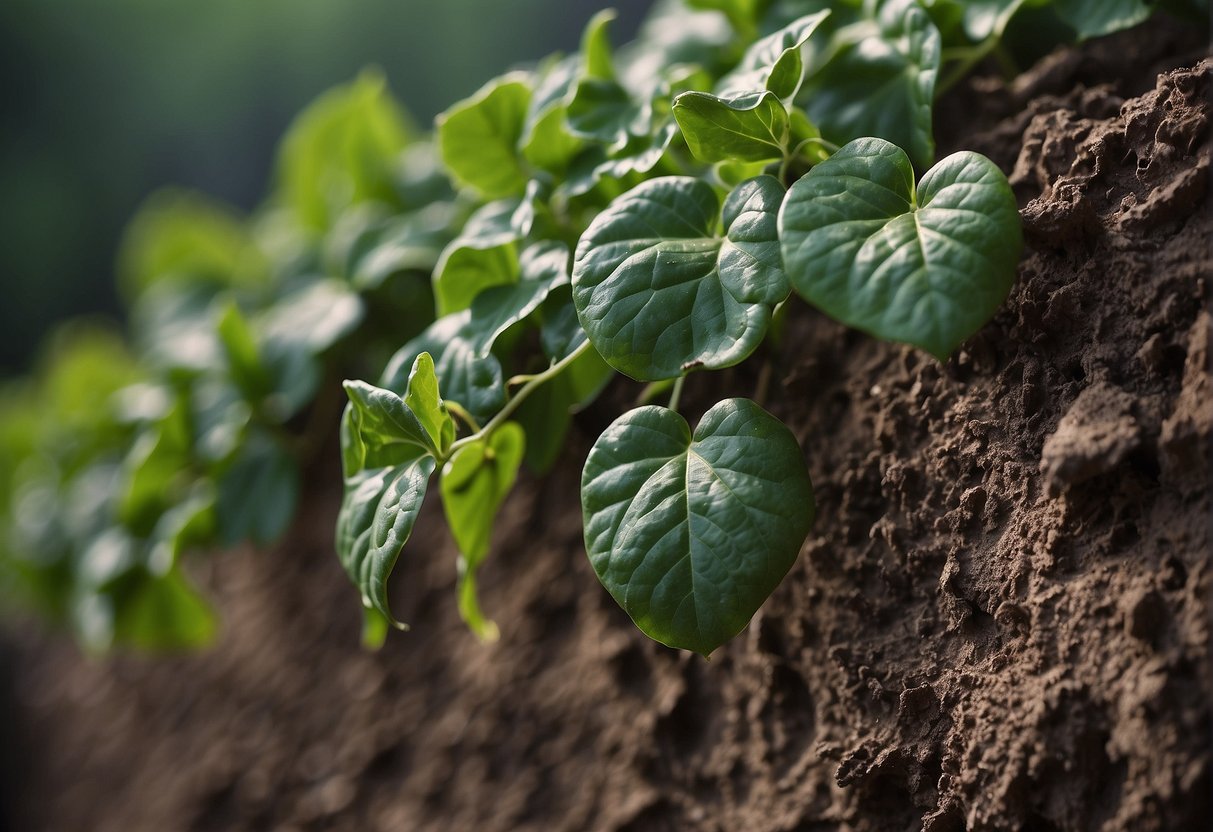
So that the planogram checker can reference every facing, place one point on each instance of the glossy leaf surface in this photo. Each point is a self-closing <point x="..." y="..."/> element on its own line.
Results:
<point x="659" y="293"/>
<point x="926" y="265"/>
<point x="691" y="533"/>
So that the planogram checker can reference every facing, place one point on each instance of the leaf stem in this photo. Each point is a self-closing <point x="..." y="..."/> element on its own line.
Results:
<point x="514" y="403"/>
<point x="467" y="418"/>
<point x="967" y="58"/>
<point x="677" y="394"/>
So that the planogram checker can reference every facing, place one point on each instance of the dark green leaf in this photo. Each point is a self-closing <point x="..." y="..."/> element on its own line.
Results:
<point x="659" y="293"/>
<point x="257" y="494"/>
<point x="1093" y="18"/>
<point x="475" y="383"/>
<point x="927" y="267"/>
<point x="879" y="80"/>
<point x="543" y="267"/>
<point x="690" y="534"/>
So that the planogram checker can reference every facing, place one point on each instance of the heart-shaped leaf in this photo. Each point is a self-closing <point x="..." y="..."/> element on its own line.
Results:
<point x="749" y="127"/>
<point x="927" y="266"/>
<point x="659" y="293"/>
<point x="690" y="534"/>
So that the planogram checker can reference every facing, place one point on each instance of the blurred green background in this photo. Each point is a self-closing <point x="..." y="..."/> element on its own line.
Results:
<point x="103" y="101"/>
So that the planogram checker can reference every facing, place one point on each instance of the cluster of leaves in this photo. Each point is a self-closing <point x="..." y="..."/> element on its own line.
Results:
<point x="117" y="457"/>
<point x="646" y="211"/>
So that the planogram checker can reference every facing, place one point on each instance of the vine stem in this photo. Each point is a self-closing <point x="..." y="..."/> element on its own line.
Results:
<point x="514" y="403"/>
<point x="677" y="394"/>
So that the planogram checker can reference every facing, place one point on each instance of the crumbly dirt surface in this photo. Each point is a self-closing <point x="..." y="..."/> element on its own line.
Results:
<point x="1000" y="622"/>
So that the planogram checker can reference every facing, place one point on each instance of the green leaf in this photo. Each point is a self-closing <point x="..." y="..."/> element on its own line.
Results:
<point x="475" y="482"/>
<point x="181" y="235"/>
<point x="750" y="127"/>
<point x="596" y="46"/>
<point x="774" y="63"/>
<point x="690" y="534"/>
<point x="543" y="267"/>
<point x="547" y="142"/>
<point x="378" y="511"/>
<point x="485" y="254"/>
<point x="742" y="14"/>
<point x="626" y="168"/>
<point x="256" y="496"/>
<point x="477" y="383"/>
<point x="606" y="112"/>
<point x="374" y="628"/>
<point x="1093" y="18"/>
<point x="879" y="80"/>
<point x="659" y="293"/>
<point x="422" y="398"/>
<point x="383" y="423"/>
<point x="479" y="137"/>
<point x="927" y="267"/>
<point x="163" y="613"/>
<point x="986" y="18"/>
<point x="342" y="150"/>
<point x="243" y="357"/>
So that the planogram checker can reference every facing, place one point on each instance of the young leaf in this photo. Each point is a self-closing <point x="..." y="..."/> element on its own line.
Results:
<point x="659" y="293"/>
<point x="475" y="382"/>
<point x="475" y="481"/>
<point x="479" y="136"/>
<point x="421" y="397"/>
<point x="774" y="63"/>
<point x="879" y="79"/>
<point x="382" y="420"/>
<point x="926" y="266"/>
<point x="377" y="514"/>
<point x="596" y="47"/>
<point x="748" y="127"/>
<point x="485" y="254"/>
<point x="690" y="534"/>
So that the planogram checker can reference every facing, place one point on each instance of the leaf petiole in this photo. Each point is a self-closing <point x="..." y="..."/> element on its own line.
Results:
<point x="513" y="404"/>
<point x="464" y="416"/>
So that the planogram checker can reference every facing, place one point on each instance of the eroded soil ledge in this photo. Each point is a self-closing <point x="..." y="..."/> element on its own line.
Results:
<point x="1001" y="621"/>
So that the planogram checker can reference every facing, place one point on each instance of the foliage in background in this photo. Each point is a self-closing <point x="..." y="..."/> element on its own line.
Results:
<point x="647" y="211"/>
